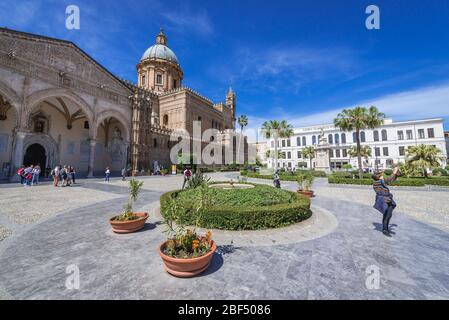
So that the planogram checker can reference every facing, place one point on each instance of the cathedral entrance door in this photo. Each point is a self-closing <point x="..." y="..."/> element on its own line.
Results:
<point x="35" y="154"/>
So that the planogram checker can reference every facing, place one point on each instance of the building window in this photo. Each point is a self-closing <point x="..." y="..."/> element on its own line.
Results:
<point x="337" y="153"/>
<point x="143" y="80"/>
<point x="376" y="135"/>
<point x="337" y="139"/>
<point x="313" y="140"/>
<point x="345" y="153"/>
<point x="389" y="162"/>
<point x="175" y="83"/>
<point x="199" y="118"/>
<point x="289" y="155"/>
<point x="430" y="133"/>
<point x="299" y="154"/>
<point x="409" y="135"/>
<point x="288" y="142"/>
<point x="298" y="141"/>
<point x="400" y="135"/>
<point x="289" y="164"/>
<point x="304" y="143"/>
<point x="343" y="138"/>
<point x="385" y="151"/>
<point x="158" y="79"/>
<point x="354" y="137"/>
<point x="165" y="120"/>
<point x="155" y="142"/>
<point x="421" y="134"/>
<point x="86" y="124"/>
<point x="283" y="143"/>
<point x="384" y="135"/>
<point x="331" y="152"/>
<point x="402" y="151"/>
<point x="377" y="152"/>
<point x="362" y="136"/>
<point x="330" y="139"/>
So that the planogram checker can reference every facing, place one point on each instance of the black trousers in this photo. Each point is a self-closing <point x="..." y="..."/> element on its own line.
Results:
<point x="387" y="217"/>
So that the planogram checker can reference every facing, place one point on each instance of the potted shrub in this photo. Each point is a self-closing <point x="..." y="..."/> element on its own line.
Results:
<point x="305" y="179"/>
<point x="164" y="172"/>
<point x="186" y="253"/>
<point x="130" y="221"/>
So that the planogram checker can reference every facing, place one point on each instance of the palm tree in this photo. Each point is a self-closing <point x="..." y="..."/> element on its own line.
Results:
<point x="276" y="129"/>
<point x="309" y="152"/>
<point x="424" y="156"/>
<point x="365" y="152"/>
<point x="358" y="119"/>
<point x="243" y="122"/>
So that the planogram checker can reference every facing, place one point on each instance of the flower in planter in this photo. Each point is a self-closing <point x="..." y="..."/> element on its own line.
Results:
<point x="305" y="179"/>
<point x="184" y="242"/>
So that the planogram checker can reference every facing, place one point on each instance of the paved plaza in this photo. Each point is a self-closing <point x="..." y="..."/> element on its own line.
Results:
<point x="43" y="230"/>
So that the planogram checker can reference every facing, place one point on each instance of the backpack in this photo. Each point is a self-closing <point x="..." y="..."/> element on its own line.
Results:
<point x="20" y="171"/>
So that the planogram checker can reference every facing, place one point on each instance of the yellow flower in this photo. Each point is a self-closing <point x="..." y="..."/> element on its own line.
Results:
<point x="208" y="235"/>
<point x="195" y="244"/>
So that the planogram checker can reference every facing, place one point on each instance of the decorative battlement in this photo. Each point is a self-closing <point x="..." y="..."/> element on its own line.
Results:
<point x="190" y="90"/>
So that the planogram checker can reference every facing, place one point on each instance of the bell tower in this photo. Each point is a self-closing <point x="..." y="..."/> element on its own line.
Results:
<point x="231" y="104"/>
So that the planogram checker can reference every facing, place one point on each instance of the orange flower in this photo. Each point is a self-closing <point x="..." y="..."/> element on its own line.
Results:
<point x="195" y="244"/>
<point x="208" y="235"/>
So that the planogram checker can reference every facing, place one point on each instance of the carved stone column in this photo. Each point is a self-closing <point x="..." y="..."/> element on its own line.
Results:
<point x="90" y="169"/>
<point x="18" y="153"/>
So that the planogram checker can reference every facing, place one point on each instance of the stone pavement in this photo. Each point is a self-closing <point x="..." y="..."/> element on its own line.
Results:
<point x="414" y="264"/>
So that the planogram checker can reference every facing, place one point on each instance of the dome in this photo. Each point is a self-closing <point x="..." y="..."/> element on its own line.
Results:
<point x="160" y="51"/>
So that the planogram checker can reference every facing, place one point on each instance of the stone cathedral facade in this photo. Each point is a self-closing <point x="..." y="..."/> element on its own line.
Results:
<point x="59" y="106"/>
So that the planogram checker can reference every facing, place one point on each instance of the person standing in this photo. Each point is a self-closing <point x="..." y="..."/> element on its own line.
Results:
<point x="21" y="173"/>
<point x="384" y="202"/>
<point x="28" y="174"/>
<point x="187" y="176"/>
<point x="73" y="174"/>
<point x="124" y="174"/>
<point x="277" y="179"/>
<point x="36" y="173"/>
<point x="55" y="174"/>
<point x="107" y="173"/>
<point x="64" y="176"/>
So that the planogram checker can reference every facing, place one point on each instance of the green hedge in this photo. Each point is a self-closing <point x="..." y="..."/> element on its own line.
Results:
<point x="283" y="176"/>
<point x="242" y="218"/>
<point x="405" y="182"/>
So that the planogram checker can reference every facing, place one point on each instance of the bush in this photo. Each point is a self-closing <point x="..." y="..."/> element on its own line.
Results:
<point x="261" y="207"/>
<point x="405" y="182"/>
<point x="439" y="172"/>
<point x="388" y="172"/>
<point x="243" y="172"/>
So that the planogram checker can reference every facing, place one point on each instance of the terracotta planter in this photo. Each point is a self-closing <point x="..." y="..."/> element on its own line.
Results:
<point x="129" y="226"/>
<point x="306" y="193"/>
<point x="186" y="268"/>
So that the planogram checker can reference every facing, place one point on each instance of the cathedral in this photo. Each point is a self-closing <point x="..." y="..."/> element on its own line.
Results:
<point x="59" y="106"/>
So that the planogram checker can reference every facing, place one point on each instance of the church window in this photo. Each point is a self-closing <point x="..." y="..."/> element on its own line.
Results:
<point x="86" y="124"/>
<point x="143" y="80"/>
<point x="155" y="142"/>
<point x="165" y="120"/>
<point x="175" y="84"/>
<point x="158" y="79"/>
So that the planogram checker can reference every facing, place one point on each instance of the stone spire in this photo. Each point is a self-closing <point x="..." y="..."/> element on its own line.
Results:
<point x="161" y="38"/>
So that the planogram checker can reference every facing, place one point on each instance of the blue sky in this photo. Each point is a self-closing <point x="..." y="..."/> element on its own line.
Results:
<point x="297" y="60"/>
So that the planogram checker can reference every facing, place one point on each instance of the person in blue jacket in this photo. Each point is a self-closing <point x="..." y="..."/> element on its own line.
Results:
<point x="384" y="198"/>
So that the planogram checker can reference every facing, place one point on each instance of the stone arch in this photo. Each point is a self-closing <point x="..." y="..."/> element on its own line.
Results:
<point x="50" y="145"/>
<point x="11" y="96"/>
<point x="35" y="98"/>
<point x="116" y="115"/>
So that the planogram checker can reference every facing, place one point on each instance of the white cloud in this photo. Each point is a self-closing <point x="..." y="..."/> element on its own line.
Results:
<point x="422" y="103"/>
<point x="186" y="21"/>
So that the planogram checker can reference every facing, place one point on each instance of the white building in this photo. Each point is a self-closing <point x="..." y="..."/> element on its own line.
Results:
<point x="388" y="143"/>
